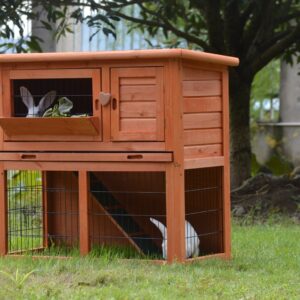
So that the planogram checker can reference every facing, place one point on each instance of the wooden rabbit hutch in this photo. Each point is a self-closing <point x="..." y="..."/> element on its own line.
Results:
<point x="141" y="158"/>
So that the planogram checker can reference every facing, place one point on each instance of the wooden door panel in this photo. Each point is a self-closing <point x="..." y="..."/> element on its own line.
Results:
<point x="137" y="111"/>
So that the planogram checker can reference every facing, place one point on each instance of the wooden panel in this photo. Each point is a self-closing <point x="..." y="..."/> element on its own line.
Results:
<point x="63" y="210"/>
<point x="14" y="127"/>
<point x="202" y="120"/>
<point x="203" y="150"/>
<point x="138" y="110"/>
<point x="201" y="88"/>
<point x="198" y="74"/>
<point x="202" y="136"/>
<point x="138" y="93"/>
<point x="138" y="125"/>
<point x="202" y="104"/>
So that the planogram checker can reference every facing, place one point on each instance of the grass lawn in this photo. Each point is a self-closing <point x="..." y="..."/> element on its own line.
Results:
<point x="265" y="265"/>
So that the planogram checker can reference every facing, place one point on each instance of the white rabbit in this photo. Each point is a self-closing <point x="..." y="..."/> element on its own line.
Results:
<point x="192" y="240"/>
<point x="45" y="102"/>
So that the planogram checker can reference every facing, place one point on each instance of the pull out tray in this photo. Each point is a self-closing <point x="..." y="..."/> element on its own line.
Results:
<point x="88" y="157"/>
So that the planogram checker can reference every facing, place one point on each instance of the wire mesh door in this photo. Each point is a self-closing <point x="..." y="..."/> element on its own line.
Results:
<point x="25" y="211"/>
<point x="42" y="208"/>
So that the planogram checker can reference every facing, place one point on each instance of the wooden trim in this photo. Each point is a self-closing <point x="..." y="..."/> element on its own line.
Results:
<point x="94" y="64"/>
<point x="84" y="146"/>
<point x="106" y="110"/>
<point x="120" y="55"/>
<point x="146" y="261"/>
<point x="226" y="169"/>
<point x="80" y="166"/>
<point x="201" y="162"/>
<point x="51" y="73"/>
<point x="83" y="187"/>
<point x="3" y="213"/>
<point x="211" y="256"/>
<point x="97" y="108"/>
<point x="175" y="172"/>
<point x="88" y="157"/>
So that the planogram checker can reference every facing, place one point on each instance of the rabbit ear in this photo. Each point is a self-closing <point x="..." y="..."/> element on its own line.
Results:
<point x="162" y="228"/>
<point x="26" y="97"/>
<point x="46" y="101"/>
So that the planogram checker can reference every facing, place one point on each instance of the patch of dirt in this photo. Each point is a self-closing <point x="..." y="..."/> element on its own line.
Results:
<point x="265" y="195"/>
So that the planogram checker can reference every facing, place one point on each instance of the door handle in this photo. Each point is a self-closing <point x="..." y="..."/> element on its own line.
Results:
<point x="114" y="103"/>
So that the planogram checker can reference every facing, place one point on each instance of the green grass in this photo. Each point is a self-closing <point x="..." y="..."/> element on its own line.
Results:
<point x="265" y="265"/>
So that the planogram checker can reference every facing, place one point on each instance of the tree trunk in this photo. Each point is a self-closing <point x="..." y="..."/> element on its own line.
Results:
<point x="240" y="130"/>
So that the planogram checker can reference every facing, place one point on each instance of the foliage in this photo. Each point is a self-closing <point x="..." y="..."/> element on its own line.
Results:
<point x="17" y="279"/>
<point x="265" y="265"/>
<point x="265" y="88"/>
<point x="62" y="109"/>
<point x="255" y="31"/>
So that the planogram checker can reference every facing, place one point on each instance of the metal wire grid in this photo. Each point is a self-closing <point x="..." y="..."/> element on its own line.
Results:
<point x="42" y="221"/>
<point x="78" y="90"/>
<point x="120" y="207"/>
<point x="25" y="211"/>
<point x="204" y="211"/>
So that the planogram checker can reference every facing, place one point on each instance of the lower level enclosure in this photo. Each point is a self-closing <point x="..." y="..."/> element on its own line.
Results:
<point x="126" y="213"/>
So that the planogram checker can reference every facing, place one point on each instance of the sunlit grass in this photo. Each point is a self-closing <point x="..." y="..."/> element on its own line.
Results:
<point x="265" y="265"/>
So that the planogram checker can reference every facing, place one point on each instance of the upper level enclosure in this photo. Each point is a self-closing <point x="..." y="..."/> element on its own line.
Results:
<point x="113" y="101"/>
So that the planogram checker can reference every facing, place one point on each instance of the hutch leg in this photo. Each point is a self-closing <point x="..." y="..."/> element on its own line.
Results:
<point x="45" y="210"/>
<point x="226" y="205"/>
<point x="3" y="212"/>
<point x="175" y="213"/>
<point x="84" y="212"/>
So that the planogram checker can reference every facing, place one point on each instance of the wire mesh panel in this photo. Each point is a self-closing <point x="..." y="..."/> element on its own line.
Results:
<point x="33" y="97"/>
<point x="204" y="211"/>
<point x="42" y="212"/>
<point x="127" y="213"/>
<point x="25" y="211"/>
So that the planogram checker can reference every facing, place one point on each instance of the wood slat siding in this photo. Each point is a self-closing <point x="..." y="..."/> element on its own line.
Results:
<point x="202" y="120"/>
<point x="138" y="110"/>
<point x="202" y="106"/>
<point x="140" y="99"/>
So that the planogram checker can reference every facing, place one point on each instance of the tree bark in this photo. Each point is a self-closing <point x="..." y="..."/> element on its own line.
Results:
<point x="240" y="158"/>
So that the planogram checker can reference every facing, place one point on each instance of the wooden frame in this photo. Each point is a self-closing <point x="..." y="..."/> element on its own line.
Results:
<point x="180" y="123"/>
